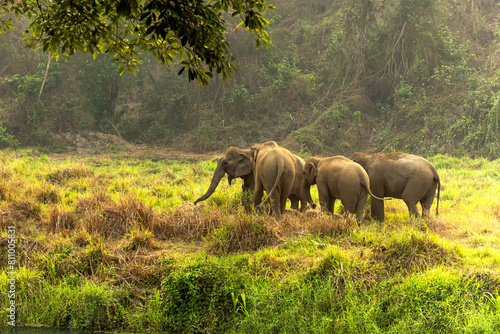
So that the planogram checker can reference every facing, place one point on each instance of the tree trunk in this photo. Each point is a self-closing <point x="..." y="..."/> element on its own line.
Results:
<point x="45" y="77"/>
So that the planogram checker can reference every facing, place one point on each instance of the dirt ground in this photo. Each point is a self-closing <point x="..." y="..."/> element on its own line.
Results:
<point x="107" y="145"/>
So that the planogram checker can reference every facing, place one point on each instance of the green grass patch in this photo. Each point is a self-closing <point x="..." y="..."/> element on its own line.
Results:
<point x="115" y="244"/>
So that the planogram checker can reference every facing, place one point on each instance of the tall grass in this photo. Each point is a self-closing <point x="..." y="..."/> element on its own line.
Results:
<point x="115" y="244"/>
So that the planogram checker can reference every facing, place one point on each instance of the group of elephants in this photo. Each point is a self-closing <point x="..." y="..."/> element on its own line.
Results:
<point x="284" y="175"/>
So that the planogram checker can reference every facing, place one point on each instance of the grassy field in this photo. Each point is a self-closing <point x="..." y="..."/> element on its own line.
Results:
<point x="115" y="244"/>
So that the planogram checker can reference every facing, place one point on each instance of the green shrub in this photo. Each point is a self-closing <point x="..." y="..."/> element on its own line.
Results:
<point x="199" y="298"/>
<point x="435" y="301"/>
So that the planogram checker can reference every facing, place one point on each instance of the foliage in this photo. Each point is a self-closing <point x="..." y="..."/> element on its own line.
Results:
<point x="339" y="77"/>
<point x="100" y="84"/>
<point x="7" y="139"/>
<point x="193" y="31"/>
<point x="199" y="298"/>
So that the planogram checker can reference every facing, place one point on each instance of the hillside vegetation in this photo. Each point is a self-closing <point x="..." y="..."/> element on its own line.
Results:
<point x="341" y="76"/>
<point x="115" y="244"/>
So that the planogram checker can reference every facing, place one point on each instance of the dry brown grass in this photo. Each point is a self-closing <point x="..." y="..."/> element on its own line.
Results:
<point x="91" y="203"/>
<point x="5" y="192"/>
<point x="47" y="194"/>
<point x="187" y="224"/>
<point x="100" y="215"/>
<point x="96" y="259"/>
<point x="73" y="172"/>
<point x="246" y="233"/>
<point x="417" y="253"/>
<point x="19" y="212"/>
<point x="82" y="238"/>
<point x="327" y="225"/>
<point x="61" y="219"/>
<point x="140" y="238"/>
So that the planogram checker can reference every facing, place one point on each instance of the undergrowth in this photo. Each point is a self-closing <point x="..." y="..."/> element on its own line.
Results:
<point x="115" y="244"/>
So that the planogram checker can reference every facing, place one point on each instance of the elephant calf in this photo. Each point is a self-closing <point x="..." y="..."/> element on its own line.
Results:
<point x="400" y="175"/>
<point x="339" y="178"/>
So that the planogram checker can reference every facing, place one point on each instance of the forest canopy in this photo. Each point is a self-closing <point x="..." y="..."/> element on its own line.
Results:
<point x="191" y="32"/>
<point x="340" y="76"/>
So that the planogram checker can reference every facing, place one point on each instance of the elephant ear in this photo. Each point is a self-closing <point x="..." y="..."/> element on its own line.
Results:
<point x="254" y="151"/>
<point x="310" y="172"/>
<point x="244" y="166"/>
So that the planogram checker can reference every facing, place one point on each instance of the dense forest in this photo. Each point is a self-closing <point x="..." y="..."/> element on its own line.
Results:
<point x="421" y="76"/>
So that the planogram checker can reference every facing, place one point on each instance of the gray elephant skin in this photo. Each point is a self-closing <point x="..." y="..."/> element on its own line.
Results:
<point x="339" y="178"/>
<point x="401" y="175"/>
<point x="279" y="173"/>
<point x="237" y="163"/>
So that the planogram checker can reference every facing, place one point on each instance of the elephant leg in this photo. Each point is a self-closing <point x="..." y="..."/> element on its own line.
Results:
<point x="275" y="201"/>
<point x="377" y="207"/>
<point x="426" y="205"/>
<point x="360" y="207"/>
<point x="283" y="203"/>
<point x="411" y="199"/>
<point x="412" y="208"/>
<point x="324" y="196"/>
<point x="427" y="201"/>
<point x="331" y="204"/>
<point x="294" y="202"/>
<point x="349" y="203"/>
<point x="276" y="204"/>
<point x="258" y="193"/>
<point x="246" y="200"/>
<point x="285" y="194"/>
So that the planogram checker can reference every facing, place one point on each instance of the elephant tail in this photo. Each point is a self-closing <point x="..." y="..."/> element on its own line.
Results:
<point x="366" y="185"/>
<point x="281" y="169"/>
<point x="438" y="181"/>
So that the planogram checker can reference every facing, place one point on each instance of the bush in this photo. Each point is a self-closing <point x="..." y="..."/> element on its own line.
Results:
<point x="435" y="301"/>
<point x="199" y="298"/>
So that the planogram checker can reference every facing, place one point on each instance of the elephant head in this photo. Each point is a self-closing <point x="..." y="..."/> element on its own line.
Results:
<point x="235" y="163"/>
<point x="360" y="158"/>
<point x="255" y="149"/>
<point x="311" y="170"/>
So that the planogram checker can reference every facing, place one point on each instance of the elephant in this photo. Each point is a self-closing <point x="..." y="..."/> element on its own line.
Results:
<point x="339" y="178"/>
<point x="236" y="162"/>
<point x="278" y="172"/>
<point x="300" y="190"/>
<point x="401" y="175"/>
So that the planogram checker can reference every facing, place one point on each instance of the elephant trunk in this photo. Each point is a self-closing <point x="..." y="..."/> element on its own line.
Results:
<point x="218" y="174"/>
<point x="309" y="199"/>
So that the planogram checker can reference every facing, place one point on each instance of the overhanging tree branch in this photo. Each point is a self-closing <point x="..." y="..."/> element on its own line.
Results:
<point x="191" y="32"/>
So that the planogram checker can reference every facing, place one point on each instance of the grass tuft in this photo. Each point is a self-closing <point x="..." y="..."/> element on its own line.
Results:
<point x="187" y="224"/>
<point x="61" y="175"/>
<point x="243" y="233"/>
<point x="412" y="252"/>
<point x="48" y="194"/>
<point x="326" y="225"/>
<point x="139" y="238"/>
<point x="22" y="211"/>
<point x="61" y="219"/>
<point x="110" y="219"/>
